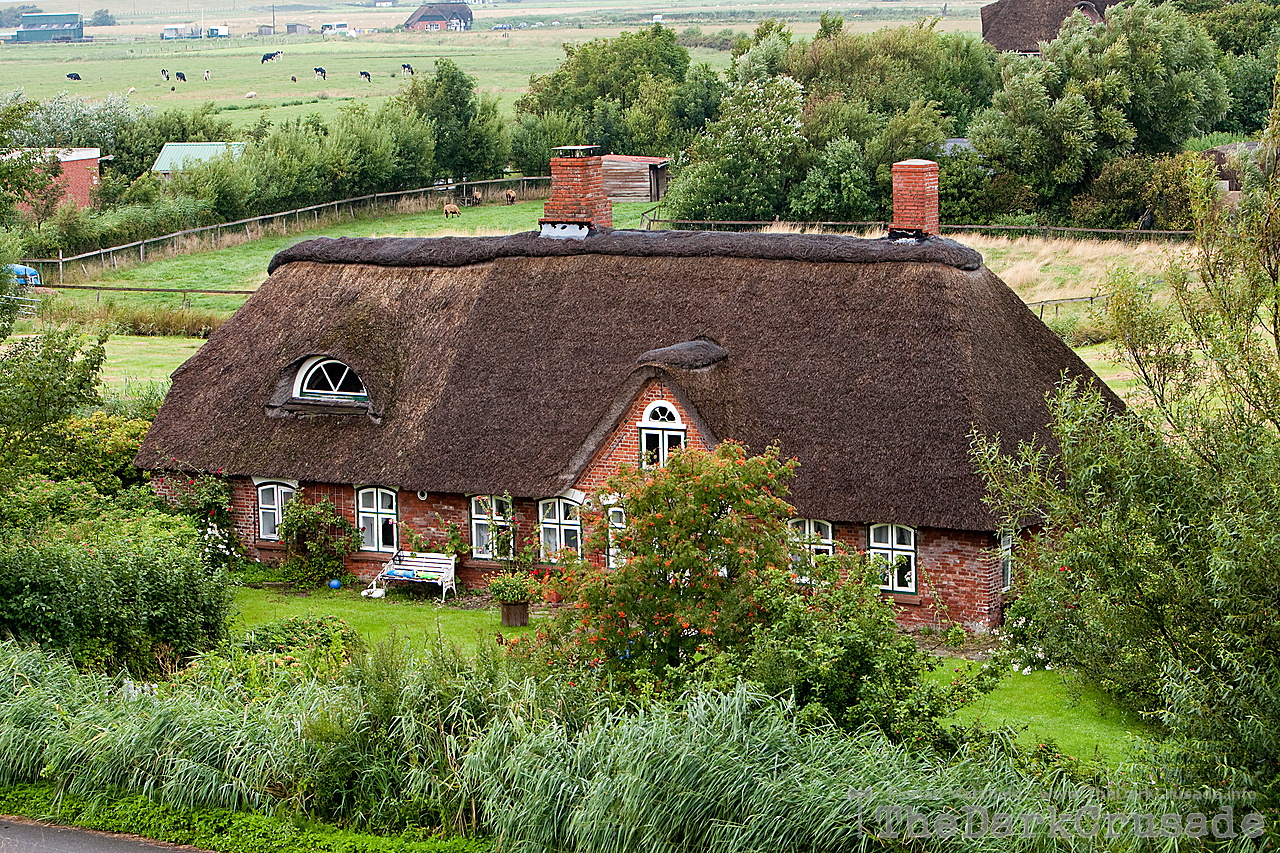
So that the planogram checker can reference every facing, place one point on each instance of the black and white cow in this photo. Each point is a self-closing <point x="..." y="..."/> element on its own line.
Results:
<point x="272" y="57"/>
<point x="364" y="75"/>
<point x="164" y="74"/>
<point x="207" y="75"/>
<point x="406" y="68"/>
<point x="73" y="76"/>
<point x="320" y="75"/>
<point x="180" y="76"/>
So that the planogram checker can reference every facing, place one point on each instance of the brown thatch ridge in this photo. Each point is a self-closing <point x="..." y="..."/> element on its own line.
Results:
<point x="503" y="374"/>
<point x="462" y="251"/>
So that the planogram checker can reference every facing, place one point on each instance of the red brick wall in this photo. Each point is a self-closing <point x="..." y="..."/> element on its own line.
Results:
<point x="624" y="444"/>
<point x="78" y="178"/>
<point x="915" y="195"/>
<point x="577" y="192"/>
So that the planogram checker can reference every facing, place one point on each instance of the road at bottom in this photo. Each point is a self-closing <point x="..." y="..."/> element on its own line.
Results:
<point x="18" y="835"/>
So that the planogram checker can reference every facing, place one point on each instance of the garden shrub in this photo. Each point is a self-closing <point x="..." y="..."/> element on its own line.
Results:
<point x="33" y="500"/>
<point x="316" y="538"/>
<point x="97" y="449"/>
<point x="835" y="649"/>
<point x="120" y="591"/>
<point x="329" y="635"/>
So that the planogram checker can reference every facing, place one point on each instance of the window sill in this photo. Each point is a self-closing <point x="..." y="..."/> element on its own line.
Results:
<point x="903" y="598"/>
<point x="269" y="545"/>
<point x="371" y="556"/>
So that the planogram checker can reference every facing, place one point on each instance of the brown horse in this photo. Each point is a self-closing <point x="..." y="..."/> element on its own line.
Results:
<point x="511" y="196"/>
<point x="451" y="210"/>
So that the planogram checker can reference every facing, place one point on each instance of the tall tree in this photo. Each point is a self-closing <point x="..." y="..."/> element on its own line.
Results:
<point x="470" y="141"/>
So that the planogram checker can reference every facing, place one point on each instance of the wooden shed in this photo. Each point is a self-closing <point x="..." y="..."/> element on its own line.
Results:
<point x="635" y="178"/>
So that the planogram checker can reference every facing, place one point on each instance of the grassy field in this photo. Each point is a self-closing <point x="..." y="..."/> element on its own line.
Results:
<point x="130" y="56"/>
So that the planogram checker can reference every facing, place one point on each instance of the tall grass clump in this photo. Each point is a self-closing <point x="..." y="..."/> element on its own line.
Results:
<point x="376" y="743"/>
<point x="131" y="319"/>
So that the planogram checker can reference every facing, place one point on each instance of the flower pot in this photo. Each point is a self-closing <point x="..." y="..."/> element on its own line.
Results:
<point x="552" y="597"/>
<point x="515" y="614"/>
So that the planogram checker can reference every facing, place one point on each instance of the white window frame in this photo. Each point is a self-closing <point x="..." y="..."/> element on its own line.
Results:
<point x="319" y="362"/>
<point x="814" y="535"/>
<point x="1006" y="560"/>
<point x="489" y="512"/>
<point x="559" y="527"/>
<point x="662" y="422"/>
<point x="376" y="520"/>
<point x="617" y="521"/>
<point x="890" y="551"/>
<point x="275" y="509"/>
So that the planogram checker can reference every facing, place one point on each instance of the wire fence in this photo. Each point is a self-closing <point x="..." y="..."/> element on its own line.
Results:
<point x="651" y="219"/>
<point x="209" y="237"/>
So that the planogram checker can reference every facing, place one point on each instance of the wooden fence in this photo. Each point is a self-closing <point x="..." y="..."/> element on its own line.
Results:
<point x="650" y="219"/>
<point x="194" y="239"/>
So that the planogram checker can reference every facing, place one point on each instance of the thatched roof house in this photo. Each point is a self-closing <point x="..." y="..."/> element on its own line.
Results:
<point x="532" y="365"/>
<point x="1020" y="25"/>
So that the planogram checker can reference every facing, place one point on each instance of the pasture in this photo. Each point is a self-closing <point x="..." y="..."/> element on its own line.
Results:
<point x="132" y="54"/>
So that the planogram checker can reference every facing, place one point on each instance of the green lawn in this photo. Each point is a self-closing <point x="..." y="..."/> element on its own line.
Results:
<point x="1084" y="722"/>
<point x="411" y="614"/>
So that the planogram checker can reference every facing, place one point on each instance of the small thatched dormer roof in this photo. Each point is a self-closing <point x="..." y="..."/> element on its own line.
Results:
<point x="1020" y="25"/>
<point x="494" y="364"/>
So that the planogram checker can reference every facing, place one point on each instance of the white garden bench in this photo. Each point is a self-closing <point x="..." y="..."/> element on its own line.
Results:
<point x="416" y="567"/>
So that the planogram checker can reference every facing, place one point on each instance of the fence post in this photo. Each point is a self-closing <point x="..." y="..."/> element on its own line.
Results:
<point x="59" y="266"/>
<point x="142" y="252"/>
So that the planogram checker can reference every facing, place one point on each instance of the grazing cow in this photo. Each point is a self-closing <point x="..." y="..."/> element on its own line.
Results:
<point x="451" y="210"/>
<point x="73" y="76"/>
<point x="249" y="95"/>
<point x="173" y="88"/>
<point x="511" y="196"/>
<point x="181" y="77"/>
<point x="272" y="57"/>
<point x="207" y="75"/>
<point x="164" y="74"/>
<point x="294" y="79"/>
<point x="406" y="68"/>
<point x="364" y="75"/>
<point x="320" y="74"/>
<point x="131" y="91"/>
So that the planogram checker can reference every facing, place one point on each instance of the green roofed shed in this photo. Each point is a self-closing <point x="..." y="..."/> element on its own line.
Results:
<point x="175" y="155"/>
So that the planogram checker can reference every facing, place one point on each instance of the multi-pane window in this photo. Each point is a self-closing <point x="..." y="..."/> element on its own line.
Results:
<point x="561" y="526"/>
<point x="661" y="431"/>
<point x="617" y="522"/>
<point x="327" y="377"/>
<point x="893" y="547"/>
<point x="490" y="520"/>
<point x="1006" y="561"/>
<point x="377" y="513"/>
<point x="271" y="500"/>
<point x="813" y="535"/>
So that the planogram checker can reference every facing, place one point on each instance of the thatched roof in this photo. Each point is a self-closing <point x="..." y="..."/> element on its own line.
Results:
<point x="499" y="364"/>
<point x="1020" y="25"/>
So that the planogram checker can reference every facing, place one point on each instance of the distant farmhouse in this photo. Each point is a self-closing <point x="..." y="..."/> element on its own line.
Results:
<point x="174" y="156"/>
<point x="434" y="17"/>
<point x="39" y="27"/>
<point x="297" y="29"/>
<point x="1018" y="26"/>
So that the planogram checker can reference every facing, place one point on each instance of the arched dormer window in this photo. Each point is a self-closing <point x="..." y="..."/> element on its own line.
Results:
<point x="321" y="376"/>
<point x="661" y="431"/>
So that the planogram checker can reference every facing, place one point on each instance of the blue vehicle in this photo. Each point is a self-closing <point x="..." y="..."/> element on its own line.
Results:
<point x="26" y="276"/>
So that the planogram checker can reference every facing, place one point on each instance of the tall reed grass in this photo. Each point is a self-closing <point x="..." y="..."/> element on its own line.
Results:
<point x="144" y="320"/>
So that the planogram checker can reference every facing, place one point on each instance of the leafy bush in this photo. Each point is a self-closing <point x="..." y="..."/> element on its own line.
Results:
<point x="511" y="587"/>
<point x="836" y="650"/>
<point x="316" y="538"/>
<point x="120" y="591"/>
<point x="97" y="449"/>
<point x="703" y="547"/>
<point x="32" y="501"/>
<point x="332" y="636"/>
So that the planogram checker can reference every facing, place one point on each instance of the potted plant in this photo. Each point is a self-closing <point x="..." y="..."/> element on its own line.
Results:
<point x="512" y="591"/>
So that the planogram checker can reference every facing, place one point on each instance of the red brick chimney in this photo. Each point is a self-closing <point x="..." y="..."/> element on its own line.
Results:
<point x="577" y="202"/>
<point x="915" y="196"/>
